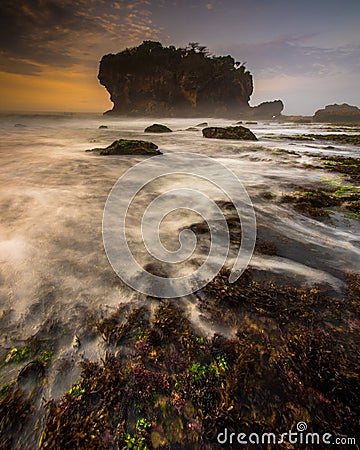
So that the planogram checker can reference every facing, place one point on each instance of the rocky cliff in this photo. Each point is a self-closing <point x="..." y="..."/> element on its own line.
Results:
<point x="268" y="110"/>
<point x="154" y="80"/>
<point x="338" y="113"/>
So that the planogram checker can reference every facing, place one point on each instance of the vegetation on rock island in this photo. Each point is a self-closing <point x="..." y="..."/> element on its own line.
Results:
<point x="151" y="80"/>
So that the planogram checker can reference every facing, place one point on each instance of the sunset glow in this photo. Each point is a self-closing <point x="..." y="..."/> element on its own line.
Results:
<point x="305" y="53"/>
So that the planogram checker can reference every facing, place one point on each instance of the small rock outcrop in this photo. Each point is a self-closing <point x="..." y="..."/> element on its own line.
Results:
<point x="157" y="128"/>
<point x="128" y="147"/>
<point x="268" y="110"/>
<point x="239" y="132"/>
<point x="337" y="113"/>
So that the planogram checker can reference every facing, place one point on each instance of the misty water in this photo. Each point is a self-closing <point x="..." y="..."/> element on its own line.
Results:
<point x="55" y="277"/>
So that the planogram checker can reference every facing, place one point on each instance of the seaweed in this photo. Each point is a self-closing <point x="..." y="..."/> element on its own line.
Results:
<point x="352" y="139"/>
<point x="113" y="332"/>
<point x="15" y="411"/>
<point x="344" y="165"/>
<point x="312" y="202"/>
<point x="294" y="357"/>
<point x="266" y="247"/>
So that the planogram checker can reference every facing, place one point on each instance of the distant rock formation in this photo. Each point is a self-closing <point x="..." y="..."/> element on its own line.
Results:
<point x="154" y="80"/>
<point x="337" y="113"/>
<point x="268" y="110"/>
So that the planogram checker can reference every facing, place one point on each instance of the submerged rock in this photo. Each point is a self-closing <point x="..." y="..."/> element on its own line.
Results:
<point x="128" y="147"/>
<point x="157" y="128"/>
<point x="238" y="132"/>
<point x="338" y="113"/>
<point x="202" y="124"/>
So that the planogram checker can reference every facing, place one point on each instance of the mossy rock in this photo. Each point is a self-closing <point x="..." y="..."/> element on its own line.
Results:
<point x="129" y="147"/>
<point x="238" y="132"/>
<point x="157" y="128"/>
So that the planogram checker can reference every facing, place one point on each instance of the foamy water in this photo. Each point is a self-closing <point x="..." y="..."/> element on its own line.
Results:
<point x="54" y="269"/>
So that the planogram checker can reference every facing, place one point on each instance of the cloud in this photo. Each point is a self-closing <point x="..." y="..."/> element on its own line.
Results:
<point x="287" y="55"/>
<point x="62" y="34"/>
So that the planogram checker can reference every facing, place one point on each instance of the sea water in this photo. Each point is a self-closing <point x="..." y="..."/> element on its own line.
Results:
<point x="53" y="267"/>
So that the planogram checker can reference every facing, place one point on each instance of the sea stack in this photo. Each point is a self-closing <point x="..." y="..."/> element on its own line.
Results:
<point x="151" y="80"/>
<point x="337" y="113"/>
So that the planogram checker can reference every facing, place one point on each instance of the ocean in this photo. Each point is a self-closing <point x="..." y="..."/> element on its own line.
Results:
<point x="54" y="272"/>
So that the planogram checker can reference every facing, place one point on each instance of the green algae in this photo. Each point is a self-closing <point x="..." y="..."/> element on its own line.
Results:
<point x="347" y="166"/>
<point x="46" y="356"/>
<point x="18" y="354"/>
<point x="313" y="203"/>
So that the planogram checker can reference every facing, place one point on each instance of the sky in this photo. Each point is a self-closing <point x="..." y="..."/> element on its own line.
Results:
<point x="306" y="53"/>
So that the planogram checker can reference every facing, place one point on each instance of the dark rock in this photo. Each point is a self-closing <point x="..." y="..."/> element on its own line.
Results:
<point x="202" y="124"/>
<point x="151" y="79"/>
<point x="129" y="147"/>
<point x="102" y="127"/>
<point x="302" y="120"/>
<point x="268" y="110"/>
<point x="31" y="369"/>
<point x="238" y="132"/>
<point x="337" y="113"/>
<point x="157" y="128"/>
